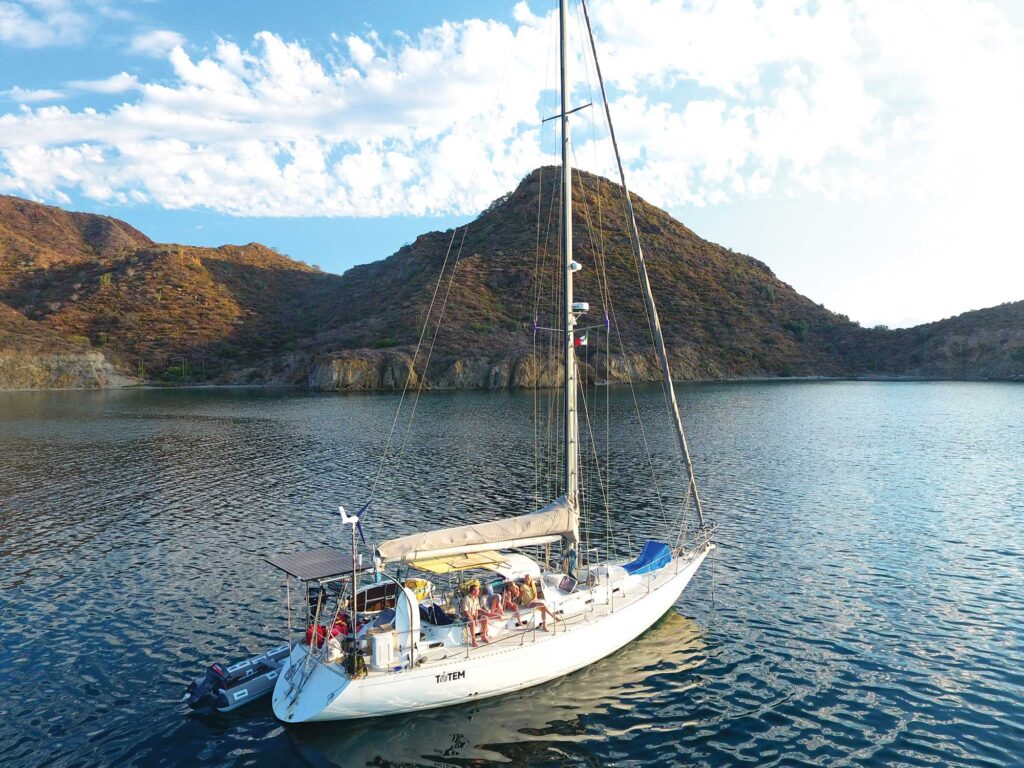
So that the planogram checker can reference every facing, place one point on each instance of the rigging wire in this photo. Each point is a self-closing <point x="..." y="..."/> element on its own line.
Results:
<point x="550" y="445"/>
<point x="596" y="235"/>
<point x="602" y="269"/>
<point x="649" y="310"/>
<point x="430" y="352"/>
<point x="551" y="448"/>
<point x="601" y="259"/>
<point x="412" y="365"/>
<point x="601" y="486"/>
<point x="430" y="308"/>
<point x="539" y="446"/>
<point x="539" y="264"/>
<point x="598" y="249"/>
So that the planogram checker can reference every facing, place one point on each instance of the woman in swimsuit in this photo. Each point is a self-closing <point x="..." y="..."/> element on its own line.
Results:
<point x="528" y="599"/>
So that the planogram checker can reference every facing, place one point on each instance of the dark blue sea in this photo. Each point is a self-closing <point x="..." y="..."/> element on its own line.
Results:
<point x="865" y="605"/>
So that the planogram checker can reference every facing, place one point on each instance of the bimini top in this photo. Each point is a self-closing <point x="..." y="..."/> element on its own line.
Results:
<point x="463" y="562"/>
<point x="511" y="565"/>
<point x="314" y="564"/>
<point x="559" y="519"/>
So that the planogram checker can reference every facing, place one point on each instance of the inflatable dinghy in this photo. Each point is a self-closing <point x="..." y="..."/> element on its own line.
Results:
<point x="226" y="688"/>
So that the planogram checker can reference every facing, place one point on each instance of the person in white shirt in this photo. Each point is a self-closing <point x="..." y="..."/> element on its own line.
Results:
<point x="474" y="615"/>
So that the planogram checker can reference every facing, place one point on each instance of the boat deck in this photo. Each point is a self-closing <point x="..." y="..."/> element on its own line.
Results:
<point x="574" y="610"/>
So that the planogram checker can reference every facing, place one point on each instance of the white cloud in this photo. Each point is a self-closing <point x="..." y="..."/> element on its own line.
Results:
<point x="360" y="51"/>
<point x="714" y="101"/>
<point x="38" y="23"/>
<point x="273" y="131"/>
<point x="157" y="43"/>
<point x="28" y="95"/>
<point x="116" y="84"/>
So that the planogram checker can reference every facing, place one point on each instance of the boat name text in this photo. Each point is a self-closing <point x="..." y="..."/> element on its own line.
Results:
<point x="447" y="677"/>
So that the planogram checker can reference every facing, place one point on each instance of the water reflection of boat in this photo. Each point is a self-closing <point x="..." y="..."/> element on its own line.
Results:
<point x="567" y="710"/>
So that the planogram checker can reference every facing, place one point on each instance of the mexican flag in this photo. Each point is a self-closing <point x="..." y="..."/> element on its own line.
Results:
<point x="580" y="341"/>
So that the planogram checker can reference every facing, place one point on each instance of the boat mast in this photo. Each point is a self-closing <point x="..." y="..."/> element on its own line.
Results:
<point x="571" y="474"/>
<point x="652" y="310"/>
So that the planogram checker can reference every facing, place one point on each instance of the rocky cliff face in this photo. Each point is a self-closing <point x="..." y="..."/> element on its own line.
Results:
<point x="359" y="371"/>
<point x="37" y="358"/>
<point x="377" y="370"/>
<point x="67" y="370"/>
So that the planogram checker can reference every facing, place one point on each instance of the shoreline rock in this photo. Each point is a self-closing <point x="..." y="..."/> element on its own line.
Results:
<point x="22" y="370"/>
<point x="389" y="370"/>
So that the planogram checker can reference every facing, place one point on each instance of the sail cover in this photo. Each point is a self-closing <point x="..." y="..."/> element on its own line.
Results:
<point x="557" y="519"/>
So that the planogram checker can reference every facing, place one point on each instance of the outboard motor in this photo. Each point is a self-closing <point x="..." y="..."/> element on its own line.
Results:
<point x="208" y="692"/>
<point x="225" y="688"/>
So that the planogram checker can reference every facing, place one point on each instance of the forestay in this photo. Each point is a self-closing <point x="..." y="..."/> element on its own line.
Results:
<point x="559" y="519"/>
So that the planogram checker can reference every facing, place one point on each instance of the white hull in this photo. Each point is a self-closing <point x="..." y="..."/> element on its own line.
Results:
<point x="596" y="624"/>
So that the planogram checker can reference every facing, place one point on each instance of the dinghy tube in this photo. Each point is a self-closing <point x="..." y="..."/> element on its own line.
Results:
<point x="224" y="689"/>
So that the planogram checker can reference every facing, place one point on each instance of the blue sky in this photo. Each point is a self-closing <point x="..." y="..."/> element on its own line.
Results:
<point x="868" y="151"/>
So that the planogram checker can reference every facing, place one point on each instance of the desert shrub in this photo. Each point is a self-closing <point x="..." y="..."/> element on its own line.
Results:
<point x="799" y="328"/>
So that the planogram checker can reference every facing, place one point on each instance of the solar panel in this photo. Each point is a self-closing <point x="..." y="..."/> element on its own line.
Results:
<point x="314" y="564"/>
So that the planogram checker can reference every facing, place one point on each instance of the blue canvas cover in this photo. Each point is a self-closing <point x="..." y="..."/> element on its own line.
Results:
<point x="435" y="615"/>
<point x="655" y="555"/>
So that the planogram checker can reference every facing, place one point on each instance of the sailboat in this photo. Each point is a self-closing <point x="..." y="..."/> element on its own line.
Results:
<point x="397" y="644"/>
<point x="563" y="708"/>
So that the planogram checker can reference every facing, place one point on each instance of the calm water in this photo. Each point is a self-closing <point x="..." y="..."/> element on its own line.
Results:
<point x="866" y="605"/>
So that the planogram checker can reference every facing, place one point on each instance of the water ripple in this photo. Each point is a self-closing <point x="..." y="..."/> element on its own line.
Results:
<point x="864" y="606"/>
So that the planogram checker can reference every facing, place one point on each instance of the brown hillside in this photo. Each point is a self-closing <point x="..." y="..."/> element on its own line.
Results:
<point x="724" y="314"/>
<point x="19" y="333"/>
<point x="983" y="344"/>
<point x="78" y="283"/>
<point x="34" y="235"/>
<point x="163" y="312"/>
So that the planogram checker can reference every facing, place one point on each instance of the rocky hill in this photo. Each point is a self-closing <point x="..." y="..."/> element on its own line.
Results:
<point x="725" y="314"/>
<point x="165" y="313"/>
<point x="983" y="344"/>
<point x="84" y="298"/>
<point x="34" y="357"/>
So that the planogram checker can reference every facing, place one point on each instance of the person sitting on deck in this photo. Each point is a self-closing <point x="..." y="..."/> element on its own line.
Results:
<point x="473" y="613"/>
<point x="491" y="603"/>
<point x="528" y="599"/>
<point x="506" y="601"/>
